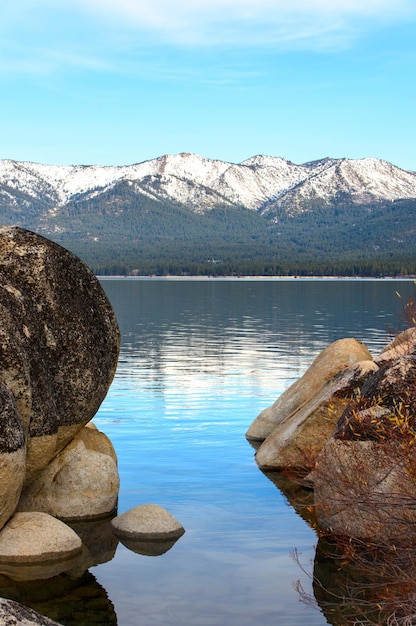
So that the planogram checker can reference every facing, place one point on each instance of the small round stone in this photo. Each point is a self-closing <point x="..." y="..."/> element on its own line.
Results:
<point x="147" y="521"/>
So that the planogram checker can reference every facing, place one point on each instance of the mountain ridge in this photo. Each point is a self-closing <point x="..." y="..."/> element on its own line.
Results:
<point x="179" y="213"/>
<point x="252" y="183"/>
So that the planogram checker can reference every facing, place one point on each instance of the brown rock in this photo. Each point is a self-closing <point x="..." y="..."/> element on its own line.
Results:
<point x="365" y="490"/>
<point x="335" y="357"/>
<point x="402" y="345"/>
<point x="96" y="441"/>
<point x="364" y="478"/>
<point x="299" y="438"/>
<point x="79" y="483"/>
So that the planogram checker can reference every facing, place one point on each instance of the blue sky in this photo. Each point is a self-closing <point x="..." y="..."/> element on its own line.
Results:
<point x="116" y="82"/>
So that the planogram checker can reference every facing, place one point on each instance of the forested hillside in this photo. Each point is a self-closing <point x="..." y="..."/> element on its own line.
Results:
<point x="184" y="215"/>
<point x="149" y="238"/>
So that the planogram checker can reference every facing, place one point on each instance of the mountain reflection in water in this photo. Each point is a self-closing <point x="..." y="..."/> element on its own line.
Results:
<point x="199" y="360"/>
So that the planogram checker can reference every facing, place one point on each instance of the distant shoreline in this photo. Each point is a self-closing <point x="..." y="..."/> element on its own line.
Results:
<point x="252" y="278"/>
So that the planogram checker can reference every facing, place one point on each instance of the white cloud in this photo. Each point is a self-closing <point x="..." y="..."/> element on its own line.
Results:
<point x="245" y="22"/>
<point x="119" y="35"/>
<point x="39" y="60"/>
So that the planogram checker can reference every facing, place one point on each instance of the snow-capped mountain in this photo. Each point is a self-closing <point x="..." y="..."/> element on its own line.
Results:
<point x="187" y="214"/>
<point x="261" y="183"/>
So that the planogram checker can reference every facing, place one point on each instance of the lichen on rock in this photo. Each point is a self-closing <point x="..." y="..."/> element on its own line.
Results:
<point x="63" y="341"/>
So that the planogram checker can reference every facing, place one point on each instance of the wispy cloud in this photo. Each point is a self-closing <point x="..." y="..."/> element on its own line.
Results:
<point x="252" y="22"/>
<point x="40" y="61"/>
<point x="46" y="37"/>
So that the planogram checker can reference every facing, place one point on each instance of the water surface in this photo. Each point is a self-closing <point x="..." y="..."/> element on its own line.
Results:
<point x="200" y="359"/>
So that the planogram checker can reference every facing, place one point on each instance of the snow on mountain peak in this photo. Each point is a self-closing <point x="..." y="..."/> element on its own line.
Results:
<point x="200" y="182"/>
<point x="187" y="165"/>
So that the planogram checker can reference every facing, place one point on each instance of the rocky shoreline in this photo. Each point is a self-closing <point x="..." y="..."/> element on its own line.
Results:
<point x="59" y="480"/>
<point x="347" y="429"/>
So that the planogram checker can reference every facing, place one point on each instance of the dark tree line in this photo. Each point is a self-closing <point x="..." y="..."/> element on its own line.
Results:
<point x="122" y="231"/>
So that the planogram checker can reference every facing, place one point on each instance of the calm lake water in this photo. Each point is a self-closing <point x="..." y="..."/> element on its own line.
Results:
<point x="199" y="360"/>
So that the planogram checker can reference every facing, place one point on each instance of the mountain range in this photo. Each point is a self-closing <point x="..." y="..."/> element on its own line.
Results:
<point x="185" y="213"/>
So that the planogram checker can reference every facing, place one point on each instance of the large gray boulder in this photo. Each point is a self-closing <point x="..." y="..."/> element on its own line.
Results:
<point x="59" y="348"/>
<point x="60" y="341"/>
<point x="12" y="454"/>
<point x="334" y="358"/>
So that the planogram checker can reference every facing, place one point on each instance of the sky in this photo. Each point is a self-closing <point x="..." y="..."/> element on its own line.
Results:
<point x="116" y="82"/>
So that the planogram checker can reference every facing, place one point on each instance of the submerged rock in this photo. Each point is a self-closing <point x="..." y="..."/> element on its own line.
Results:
<point x="147" y="522"/>
<point x="69" y="599"/>
<point x="147" y="547"/>
<point x="335" y="357"/>
<point x="99" y="543"/>
<point x="32" y="539"/>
